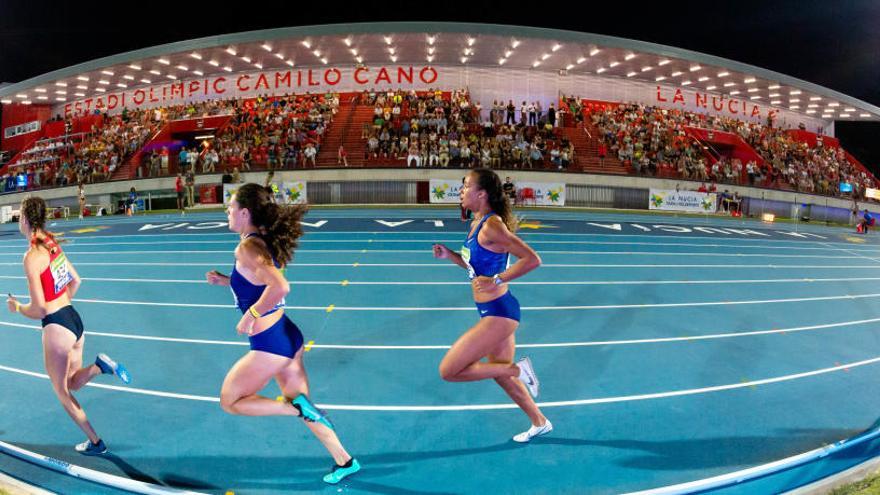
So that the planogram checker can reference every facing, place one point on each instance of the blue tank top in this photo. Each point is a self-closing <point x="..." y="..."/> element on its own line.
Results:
<point x="481" y="261"/>
<point x="247" y="294"/>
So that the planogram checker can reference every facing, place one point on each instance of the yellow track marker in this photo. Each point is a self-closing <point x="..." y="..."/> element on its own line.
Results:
<point x="355" y="264"/>
<point x="309" y="345"/>
<point x="363" y="251"/>
<point x="344" y="283"/>
<point x="330" y="308"/>
<point x="230" y="492"/>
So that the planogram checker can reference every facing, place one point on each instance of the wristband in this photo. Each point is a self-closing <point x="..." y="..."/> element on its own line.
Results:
<point x="497" y="279"/>
<point x="17" y="307"/>
<point x="254" y="312"/>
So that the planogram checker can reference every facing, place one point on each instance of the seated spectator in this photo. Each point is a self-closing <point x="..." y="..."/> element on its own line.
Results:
<point x="867" y="221"/>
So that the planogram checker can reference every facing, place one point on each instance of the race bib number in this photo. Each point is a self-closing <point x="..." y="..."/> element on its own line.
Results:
<point x="60" y="272"/>
<point x="466" y="256"/>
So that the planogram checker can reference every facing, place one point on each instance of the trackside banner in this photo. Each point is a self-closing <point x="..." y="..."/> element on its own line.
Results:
<point x="285" y="193"/>
<point x="445" y="191"/>
<point x="537" y="193"/>
<point x="684" y="201"/>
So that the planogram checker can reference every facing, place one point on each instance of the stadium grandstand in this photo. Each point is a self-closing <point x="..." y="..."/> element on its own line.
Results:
<point x="687" y="339"/>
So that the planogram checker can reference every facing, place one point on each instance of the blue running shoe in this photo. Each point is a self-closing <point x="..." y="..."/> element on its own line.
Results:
<point x="89" y="448"/>
<point x="310" y="412"/>
<point x="111" y="367"/>
<point x="339" y="473"/>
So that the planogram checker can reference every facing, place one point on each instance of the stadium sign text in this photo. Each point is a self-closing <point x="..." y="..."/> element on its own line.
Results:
<point x="261" y="83"/>
<point x="719" y="103"/>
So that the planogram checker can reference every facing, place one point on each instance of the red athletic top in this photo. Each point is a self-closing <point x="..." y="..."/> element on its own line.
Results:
<point x="56" y="277"/>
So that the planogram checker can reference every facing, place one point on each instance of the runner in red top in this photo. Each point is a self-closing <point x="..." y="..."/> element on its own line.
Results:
<point x="52" y="282"/>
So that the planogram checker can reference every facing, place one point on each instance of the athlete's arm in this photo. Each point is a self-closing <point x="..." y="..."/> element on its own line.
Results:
<point x="443" y="252"/>
<point x="216" y="278"/>
<point x="74" y="284"/>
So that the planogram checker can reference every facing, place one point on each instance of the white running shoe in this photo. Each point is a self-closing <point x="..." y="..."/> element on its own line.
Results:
<point x="527" y="375"/>
<point x="534" y="431"/>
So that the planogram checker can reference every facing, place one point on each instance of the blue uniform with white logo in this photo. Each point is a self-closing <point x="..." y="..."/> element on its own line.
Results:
<point x="283" y="338"/>
<point x="483" y="262"/>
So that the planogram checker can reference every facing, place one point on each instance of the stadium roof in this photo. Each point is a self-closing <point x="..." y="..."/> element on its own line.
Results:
<point x="441" y="44"/>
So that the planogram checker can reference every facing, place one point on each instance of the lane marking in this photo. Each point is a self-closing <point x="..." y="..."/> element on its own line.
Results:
<point x="488" y="407"/>
<point x="598" y="343"/>
<point x="345" y="283"/>
<point x="333" y="307"/>
<point x="428" y="251"/>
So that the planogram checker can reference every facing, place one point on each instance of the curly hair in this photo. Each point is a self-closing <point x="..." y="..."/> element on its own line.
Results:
<point x="279" y="225"/>
<point x="489" y="181"/>
<point x="33" y="209"/>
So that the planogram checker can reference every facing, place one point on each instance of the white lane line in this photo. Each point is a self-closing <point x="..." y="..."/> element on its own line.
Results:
<point x="550" y="283"/>
<point x="688" y="338"/>
<point x="232" y="242"/>
<point x="875" y="260"/>
<point x="450" y="265"/>
<point x="485" y="407"/>
<point x="471" y="308"/>
<point x="165" y="234"/>
<point x="136" y="337"/>
<point x="428" y="251"/>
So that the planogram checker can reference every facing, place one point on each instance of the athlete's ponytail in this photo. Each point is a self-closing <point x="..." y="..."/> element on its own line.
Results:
<point x="279" y="225"/>
<point x="33" y="210"/>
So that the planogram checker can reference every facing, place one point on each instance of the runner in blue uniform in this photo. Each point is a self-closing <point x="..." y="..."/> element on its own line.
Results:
<point x="485" y="255"/>
<point x="269" y="234"/>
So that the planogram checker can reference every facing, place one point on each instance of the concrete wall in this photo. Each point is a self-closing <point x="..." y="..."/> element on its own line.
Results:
<point x="102" y="193"/>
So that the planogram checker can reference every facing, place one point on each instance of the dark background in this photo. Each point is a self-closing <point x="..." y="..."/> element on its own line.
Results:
<point x="832" y="43"/>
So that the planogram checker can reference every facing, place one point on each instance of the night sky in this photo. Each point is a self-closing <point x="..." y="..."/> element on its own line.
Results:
<point x="833" y="43"/>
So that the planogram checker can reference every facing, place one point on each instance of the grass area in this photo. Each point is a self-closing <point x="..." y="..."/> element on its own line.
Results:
<point x="867" y="486"/>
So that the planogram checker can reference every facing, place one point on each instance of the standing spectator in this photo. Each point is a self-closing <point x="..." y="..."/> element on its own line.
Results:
<point x="192" y="157"/>
<point x="190" y="186"/>
<point x="131" y="202"/>
<point x="164" y="161"/>
<point x="211" y="159"/>
<point x="82" y="200"/>
<point x="511" y="113"/>
<point x="342" y="156"/>
<point x="182" y="160"/>
<point x="551" y="116"/>
<point x="178" y="188"/>
<point x="509" y="189"/>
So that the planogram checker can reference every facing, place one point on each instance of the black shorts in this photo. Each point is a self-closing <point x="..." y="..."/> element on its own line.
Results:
<point x="68" y="318"/>
<point x="179" y="194"/>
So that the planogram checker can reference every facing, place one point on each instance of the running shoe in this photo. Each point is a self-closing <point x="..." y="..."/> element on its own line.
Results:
<point x="89" y="448"/>
<point x="309" y="412"/>
<point x="111" y="367"/>
<point x="527" y="375"/>
<point x="534" y="431"/>
<point x="341" y="472"/>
